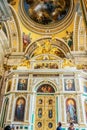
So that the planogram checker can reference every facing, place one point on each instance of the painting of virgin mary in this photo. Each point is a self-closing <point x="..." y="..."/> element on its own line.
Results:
<point x="19" y="109"/>
<point x="71" y="110"/>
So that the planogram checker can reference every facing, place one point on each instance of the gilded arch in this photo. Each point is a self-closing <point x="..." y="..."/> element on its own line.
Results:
<point x="48" y="45"/>
<point x="49" y="83"/>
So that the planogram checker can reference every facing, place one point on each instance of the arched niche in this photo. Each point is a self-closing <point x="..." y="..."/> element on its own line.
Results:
<point x="19" y="109"/>
<point x="45" y="88"/>
<point x="71" y="112"/>
<point x="41" y="84"/>
<point x="48" y="45"/>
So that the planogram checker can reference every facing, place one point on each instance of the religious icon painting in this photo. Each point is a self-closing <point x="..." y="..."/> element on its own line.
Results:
<point x="46" y="88"/>
<point x="39" y="124"/>
<point x="84" y="86"/>
<point x="40" y="101"/>
<point x="69" y="85"/>
<point x="19" y="109"/>
<point x="85" y="105"/>
<point x="26" y="40"/>
<point x="71" y="112"/>
<point x="40" y="112"/>
<point x="50" y="102"/>
<point x="50" y="113"/>
<point x="22" y="84"/>
<point x="50" y="125"/>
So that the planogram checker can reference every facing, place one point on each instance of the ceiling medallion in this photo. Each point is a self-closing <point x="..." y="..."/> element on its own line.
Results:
<point x="46" y="16"/>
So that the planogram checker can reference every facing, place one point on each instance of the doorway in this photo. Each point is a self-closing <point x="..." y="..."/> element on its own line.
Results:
<point x="45" y="114"/>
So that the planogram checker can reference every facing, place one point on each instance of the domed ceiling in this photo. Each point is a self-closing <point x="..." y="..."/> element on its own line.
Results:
<point x="46" y="16"/>
<point x="47" y="11"/>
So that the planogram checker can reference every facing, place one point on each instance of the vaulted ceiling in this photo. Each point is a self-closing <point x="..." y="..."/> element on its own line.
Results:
<point x="15" y="21"/>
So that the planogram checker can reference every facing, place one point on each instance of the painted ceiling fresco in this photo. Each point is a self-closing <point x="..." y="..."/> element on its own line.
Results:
<point x="46" y="11"/>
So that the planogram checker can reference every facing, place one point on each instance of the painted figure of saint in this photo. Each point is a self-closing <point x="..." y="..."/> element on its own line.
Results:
<point x="71" y="111"/>
<point x="85" y="105"/>
<point x="40" y="112"/>
<point x="19" y="111"/>
<point x="50" y="114"/>
<point x="22" y="84"/>
<point x="69" y="85"/>
<point x="40" y="101"/>
<point x="50" y="101"/>
<point x="84" y="84"/>
<point x="46" y="88"/>
<point x="85" y="88"/>
<point x="39" y="124"/>
<point x="26" y="40"/>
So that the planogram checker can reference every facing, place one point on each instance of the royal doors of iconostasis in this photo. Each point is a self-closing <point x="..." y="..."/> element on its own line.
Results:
<point x="45" y="113"/>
